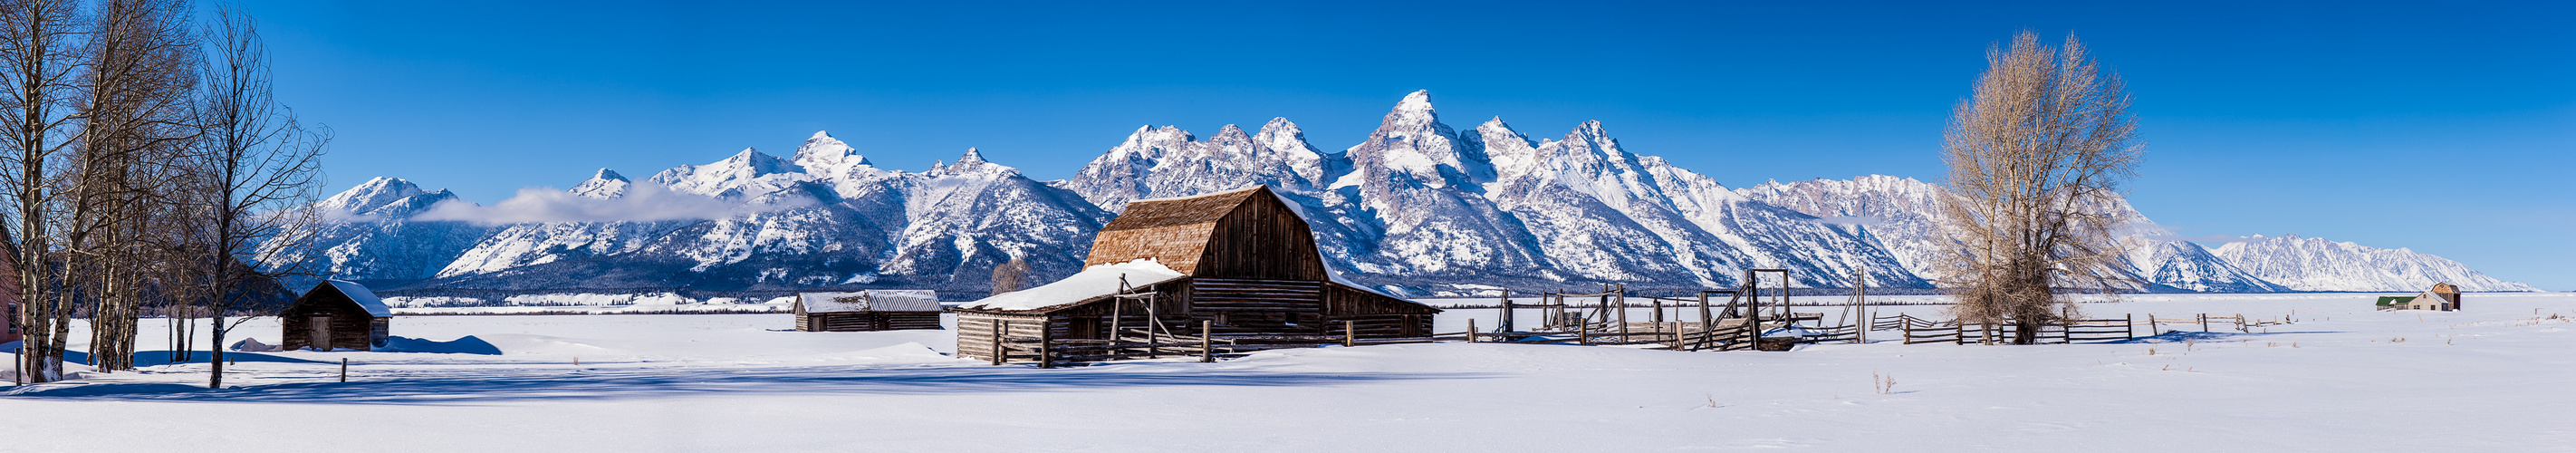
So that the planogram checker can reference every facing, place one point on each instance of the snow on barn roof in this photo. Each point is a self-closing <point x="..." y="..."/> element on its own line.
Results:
<point x="1092" y="283"/>
<point x="365" y="299"/>
<point x="871" y="300"/>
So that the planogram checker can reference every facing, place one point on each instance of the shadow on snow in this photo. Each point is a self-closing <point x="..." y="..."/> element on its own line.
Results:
<point x="455" y="388"/>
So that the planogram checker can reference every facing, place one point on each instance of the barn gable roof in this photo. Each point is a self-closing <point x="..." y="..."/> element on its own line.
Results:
<point x="1173" y="231"/>
<point x="1093" y="283"/>
<point x="365" y="299"/>
<point x="870" y="300"/>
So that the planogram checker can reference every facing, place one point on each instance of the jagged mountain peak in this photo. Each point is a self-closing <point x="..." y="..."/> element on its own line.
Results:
<point x="1415" y="104"/>
<point x="603" y="185"/>
<point x="728" y="176"/>
<point x="1282" y="136"/>
<point x="1411" y="146"/>
<point x="826" y="154"/>
<point x="374" y="193"/>
<point x="971" y="163"/>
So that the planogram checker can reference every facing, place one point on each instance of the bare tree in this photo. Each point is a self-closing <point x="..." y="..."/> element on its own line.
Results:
<point x="38" y="62"/>
<point x="2044" y="144"/>
<point x="263" y="170"/>
<point x="1009" y="276"/>
<point x="134" y="111"/>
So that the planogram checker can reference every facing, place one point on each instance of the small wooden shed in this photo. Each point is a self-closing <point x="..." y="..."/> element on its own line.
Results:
<point x="875" y="309"/>
<point x="1243" y="260"/>
<point x="335" y="315"/>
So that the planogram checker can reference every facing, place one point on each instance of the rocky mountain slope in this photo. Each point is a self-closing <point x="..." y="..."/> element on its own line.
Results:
<point x="1904" y="214"/>
<point x="1418" y="207"/>
<point x="2313" y="264"/>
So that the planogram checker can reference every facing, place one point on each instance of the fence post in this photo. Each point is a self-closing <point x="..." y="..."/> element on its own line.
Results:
<point x="1046" y="344"/>
<point x="2240" y="324"/>
<point x="344" y="369"/>
<point x="1583" y="333"/>
<point x="1962" y="337"/>
<point x="1622" y="298"/>
<point x="2129" y="325"/>
<point x="1704" y="316"/>
<point x="2204" y="322"/>
<point x="1471" y="330"/>
<point x="1860" y="334"/>
<point x="1350" y="333"/>
<point x="997" y="351"/>
<point x="1207" y="341"/>
<point x="2151" y="325"/>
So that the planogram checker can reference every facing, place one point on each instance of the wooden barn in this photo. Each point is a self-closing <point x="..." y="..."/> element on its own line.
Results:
<point x="335" y="315"/>
<point x="2442" y="297"/>
<point x="1243" y="260"/>
<point x="876" y="309"/>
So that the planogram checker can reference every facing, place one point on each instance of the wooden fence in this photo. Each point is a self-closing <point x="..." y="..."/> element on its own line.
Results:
<point x="1146" y="344"/>
<point x="2126" y="327"/>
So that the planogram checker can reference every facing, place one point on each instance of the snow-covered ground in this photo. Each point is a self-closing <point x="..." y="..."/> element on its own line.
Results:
<point x="2495" y="377"/>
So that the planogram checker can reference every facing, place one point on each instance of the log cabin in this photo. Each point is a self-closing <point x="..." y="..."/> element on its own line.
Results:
<point x="876" y="309"/>
<point x="335" y="315"/>
<point x="1243" y="260"/>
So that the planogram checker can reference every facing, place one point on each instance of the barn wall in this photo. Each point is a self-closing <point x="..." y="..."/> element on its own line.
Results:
<point x="1343" y="300"/>
<point x="863" y="321"/>
<point x="351" y="326"/>
<point x="1261" y="239"/>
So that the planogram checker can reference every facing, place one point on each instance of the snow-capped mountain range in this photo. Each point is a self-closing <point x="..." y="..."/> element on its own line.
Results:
<point x="1419" y="207"/>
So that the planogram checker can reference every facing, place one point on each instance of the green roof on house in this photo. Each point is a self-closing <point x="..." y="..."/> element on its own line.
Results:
<point x="2394" y="300"/>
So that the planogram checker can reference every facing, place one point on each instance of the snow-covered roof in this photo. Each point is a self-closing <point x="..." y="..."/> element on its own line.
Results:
<point x="871" y="300"/>
<point x="1092" y="283"/>
<point x="365" y="299"/>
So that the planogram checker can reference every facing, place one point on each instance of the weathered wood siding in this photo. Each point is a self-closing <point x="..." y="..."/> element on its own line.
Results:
<point x="862" y="321"/>
<point x="975" y="331"/>
<point x="1261" y="238"/>
<point x="1347" y="301"/>
<point x="351" y="326"/>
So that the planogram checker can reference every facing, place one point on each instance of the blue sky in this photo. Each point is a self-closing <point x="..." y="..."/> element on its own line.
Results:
<point x="2448" y="128"/>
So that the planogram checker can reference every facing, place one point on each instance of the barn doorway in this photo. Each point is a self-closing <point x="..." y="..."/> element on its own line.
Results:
<point x="319" y="328"/>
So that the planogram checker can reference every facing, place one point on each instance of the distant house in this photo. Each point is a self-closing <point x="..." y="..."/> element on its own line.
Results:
<point x="1243" y="260"/>
<point x="335" y="315"/>
<point x="2442" y="297"/>
<point x="876" y="309"/>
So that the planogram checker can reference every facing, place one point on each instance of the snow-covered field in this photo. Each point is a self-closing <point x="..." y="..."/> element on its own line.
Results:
<point x="2496" y="377"/>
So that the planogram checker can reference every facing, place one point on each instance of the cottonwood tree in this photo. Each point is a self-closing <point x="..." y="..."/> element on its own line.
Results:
<point x="134" y="109"/>
<point x="2034" y="155"/>
<point x="263" y="174"/>
<point x="1010" y="276"/>
<point x="38" y="61"/>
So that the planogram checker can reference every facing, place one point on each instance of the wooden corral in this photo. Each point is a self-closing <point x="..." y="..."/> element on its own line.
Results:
<point x="1239" y="266"/>
<point x="867" y="310"/>
<point x="335" y="315"/>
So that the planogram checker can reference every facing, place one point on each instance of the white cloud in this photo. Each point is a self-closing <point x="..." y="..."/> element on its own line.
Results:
<point x="643" y="202"/>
